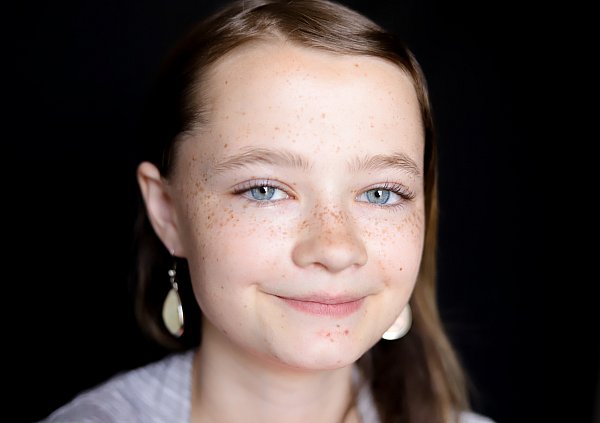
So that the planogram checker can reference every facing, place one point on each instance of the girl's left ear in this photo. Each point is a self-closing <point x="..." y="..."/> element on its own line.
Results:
<point x="160" y="207"/>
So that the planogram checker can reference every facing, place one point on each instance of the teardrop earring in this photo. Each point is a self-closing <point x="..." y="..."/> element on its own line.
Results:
<point x="172" y="311"/>
<point x="401" y="326"/>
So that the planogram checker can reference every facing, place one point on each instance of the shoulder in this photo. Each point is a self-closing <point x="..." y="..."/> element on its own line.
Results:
<point x="157" y="392"/>
<point x="471" y="417"/>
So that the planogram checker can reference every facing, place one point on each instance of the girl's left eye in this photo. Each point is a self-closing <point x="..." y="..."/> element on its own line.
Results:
<point x="380" y="196"/>
<point x="264" y="193"/>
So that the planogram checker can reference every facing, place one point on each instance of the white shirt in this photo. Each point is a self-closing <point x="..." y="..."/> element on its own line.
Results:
<point x="160" y="392"/>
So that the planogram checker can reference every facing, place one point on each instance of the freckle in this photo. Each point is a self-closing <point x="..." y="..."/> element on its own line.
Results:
<point x="337" y="326"/>
<point x="331" y="340"/>
<point x="323" y="115"/>
<point x="356" y="65"/>
<point x="222" y="287"/>
<point x="328" y="334"/>
<point x="226" y="82"/>
<point x="226" y="145"/>
<point x="401" y="269"/>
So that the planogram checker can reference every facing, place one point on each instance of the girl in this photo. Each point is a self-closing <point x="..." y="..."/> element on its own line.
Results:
<point x="288" y="237"/>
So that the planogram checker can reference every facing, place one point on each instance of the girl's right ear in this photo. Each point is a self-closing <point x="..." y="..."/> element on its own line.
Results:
<point x="160" y="207"/>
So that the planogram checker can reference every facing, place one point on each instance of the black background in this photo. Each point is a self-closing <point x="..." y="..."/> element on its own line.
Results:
<point x="78" y="75"/>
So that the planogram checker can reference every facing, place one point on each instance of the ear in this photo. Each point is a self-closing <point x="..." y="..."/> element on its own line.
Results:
<point x="160" y="207"/>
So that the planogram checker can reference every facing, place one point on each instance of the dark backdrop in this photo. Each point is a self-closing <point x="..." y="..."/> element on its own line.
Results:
<point x="78" y="74"/>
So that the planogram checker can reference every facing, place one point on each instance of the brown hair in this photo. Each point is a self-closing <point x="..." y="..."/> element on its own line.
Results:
<point x="415" y="379"/>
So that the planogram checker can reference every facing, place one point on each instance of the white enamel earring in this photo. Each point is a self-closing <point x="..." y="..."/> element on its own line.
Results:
<point x="401" y="326"/>
<point x="172" y="311"/>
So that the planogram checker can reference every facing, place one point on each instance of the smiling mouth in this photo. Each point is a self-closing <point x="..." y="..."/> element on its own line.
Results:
<point x="325" y="307"/>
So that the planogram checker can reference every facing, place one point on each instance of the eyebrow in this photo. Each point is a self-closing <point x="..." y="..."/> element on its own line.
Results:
<point x="253" y="155"/>
<point x="400" y="161"/>
<point x="283" y="158"/>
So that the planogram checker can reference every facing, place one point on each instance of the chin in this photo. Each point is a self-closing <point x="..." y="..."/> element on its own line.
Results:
<point x="321" y="357"/>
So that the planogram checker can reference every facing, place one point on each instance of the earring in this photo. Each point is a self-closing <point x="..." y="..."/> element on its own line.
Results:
<point x="400" y="326"/>
<point x="172" y="311"/>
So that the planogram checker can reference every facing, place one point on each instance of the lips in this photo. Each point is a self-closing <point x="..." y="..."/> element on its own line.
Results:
<point x="325" y="306"/>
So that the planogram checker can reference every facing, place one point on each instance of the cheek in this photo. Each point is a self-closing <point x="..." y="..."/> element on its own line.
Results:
<point x="243" y="235"/>
<point x="233" y="252"/>
<point x="395" y="245"/>
<point x="234" y="245"/>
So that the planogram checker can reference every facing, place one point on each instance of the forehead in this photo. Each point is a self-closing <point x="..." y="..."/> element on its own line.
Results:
<point x="259" y="65"/>
<point x="270" y="92"/>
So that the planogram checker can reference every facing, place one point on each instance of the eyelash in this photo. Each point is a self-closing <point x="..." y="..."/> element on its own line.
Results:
<point x="401" y="190"/>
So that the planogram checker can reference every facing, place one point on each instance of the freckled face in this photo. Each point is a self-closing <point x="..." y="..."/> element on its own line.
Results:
<point x="300" y="204"/>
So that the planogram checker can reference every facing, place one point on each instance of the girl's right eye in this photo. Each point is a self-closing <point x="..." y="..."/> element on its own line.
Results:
<point x="261" y="192"/>
<point x="265" y="193"/>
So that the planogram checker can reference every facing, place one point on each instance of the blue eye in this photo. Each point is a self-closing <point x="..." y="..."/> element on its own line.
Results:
<point x="380" y="197"/>
<point x="265" y="193"/>
<point x="261" y="193"/>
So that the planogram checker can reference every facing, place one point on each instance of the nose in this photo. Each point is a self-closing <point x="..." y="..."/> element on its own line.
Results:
<point x="329" y="239"/>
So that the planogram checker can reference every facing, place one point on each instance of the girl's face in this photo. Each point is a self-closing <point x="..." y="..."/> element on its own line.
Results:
<point x="300" y="204"/>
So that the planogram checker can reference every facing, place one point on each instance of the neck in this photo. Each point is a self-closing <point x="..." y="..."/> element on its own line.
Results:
<point x="231" y="385"/>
